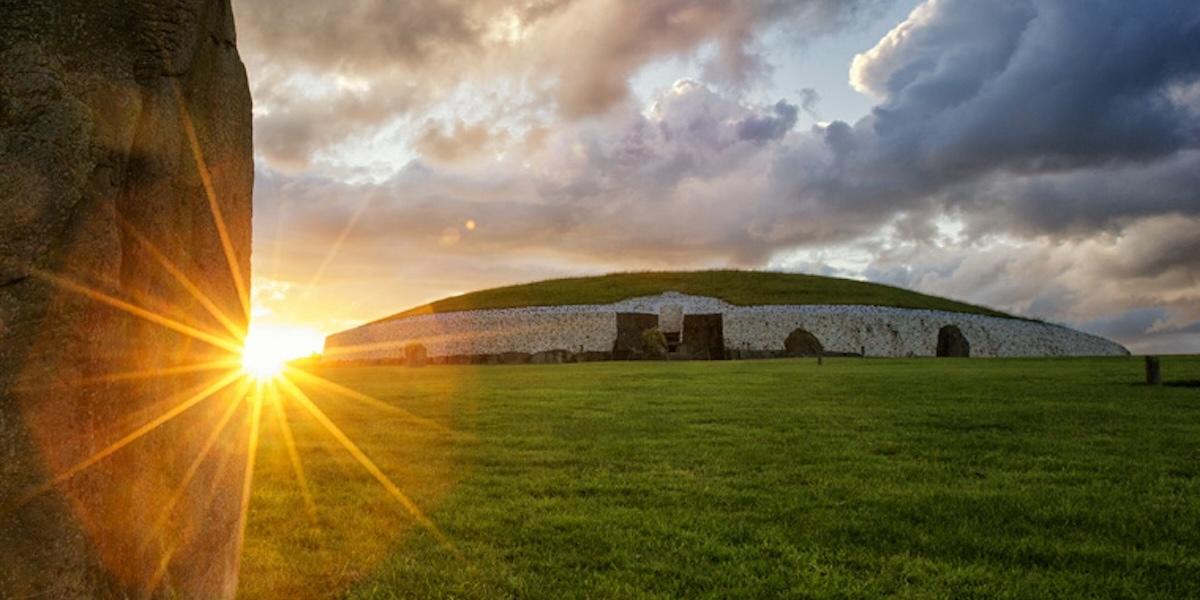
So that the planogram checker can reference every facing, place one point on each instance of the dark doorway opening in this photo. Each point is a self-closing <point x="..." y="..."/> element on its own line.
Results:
<point x="952" y="342"/>
<point x="802" y="343"/>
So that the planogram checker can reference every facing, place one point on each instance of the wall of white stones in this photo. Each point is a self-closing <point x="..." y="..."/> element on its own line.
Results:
<point x="880" y="331"/>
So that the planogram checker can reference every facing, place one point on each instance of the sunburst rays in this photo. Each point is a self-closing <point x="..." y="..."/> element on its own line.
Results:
<point x="224" y="343"/>
<point x="336" y="246"/>
<point x="252" y="393"/>
<point x="211" y="307"/>
<point x="289" y="441"/>
<point x="248" y="477"/>
<point x="214" y="206"/>
<point x="394" y="490"/>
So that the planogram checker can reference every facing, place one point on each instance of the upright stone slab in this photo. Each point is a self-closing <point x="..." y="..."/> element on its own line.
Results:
<point x="124" y="127"/>
<point x="630" y="326"/>
<point x="704" y="337"/>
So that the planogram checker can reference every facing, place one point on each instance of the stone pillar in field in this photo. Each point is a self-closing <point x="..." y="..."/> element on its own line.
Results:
<point x="125" y="180"/>
<point x="1153" y="370"/>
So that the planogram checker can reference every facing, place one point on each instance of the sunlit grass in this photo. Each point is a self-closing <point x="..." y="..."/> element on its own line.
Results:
<point x="292" y="553"/>
<point x="859" y="478"/>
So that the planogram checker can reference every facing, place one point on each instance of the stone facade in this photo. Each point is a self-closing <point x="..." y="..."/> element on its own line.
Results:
<point x="748" y="331"/>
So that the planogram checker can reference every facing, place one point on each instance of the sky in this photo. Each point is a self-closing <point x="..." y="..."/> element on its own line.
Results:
<point x="1040" y="157"/>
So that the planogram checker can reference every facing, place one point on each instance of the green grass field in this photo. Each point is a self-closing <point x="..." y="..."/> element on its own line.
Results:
<point x="743" y="288"/>
<point x="919" y="478"/>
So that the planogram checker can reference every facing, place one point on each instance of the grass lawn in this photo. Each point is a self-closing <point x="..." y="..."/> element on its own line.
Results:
<point x="924" y="478"/>
<point x="744" y="288"/>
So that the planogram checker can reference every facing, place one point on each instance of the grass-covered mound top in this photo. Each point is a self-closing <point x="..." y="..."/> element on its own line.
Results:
<point x="743" y="288"/>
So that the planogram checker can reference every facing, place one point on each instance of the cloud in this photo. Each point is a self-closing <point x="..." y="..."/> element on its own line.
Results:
<point x="1042" y="115"/>
<point x="293" y="126"/>
<point x="593" y="70"/>
<point x="633" y="186"/>
<point x="773" y="126"/>
<point x="360" y="37"/>
<point x="1061" y="139"/>
<point x="809" y="98"/>
<point x="1030" y="86"/>
<point x="323" y="74"/>
<point x="459" y="141"/>
<point x="1099" y="283"/>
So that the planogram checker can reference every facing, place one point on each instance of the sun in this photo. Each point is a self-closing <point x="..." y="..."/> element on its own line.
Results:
<point x="262" y="363"/>
<point x="267" y="349"/>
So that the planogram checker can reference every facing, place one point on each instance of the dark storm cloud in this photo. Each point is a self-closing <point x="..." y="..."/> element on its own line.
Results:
<point x="1035" y="85"/>
<point x="1084" y="201"/>
<point x="1028" y="118"/>
<point x="970" y="90"/>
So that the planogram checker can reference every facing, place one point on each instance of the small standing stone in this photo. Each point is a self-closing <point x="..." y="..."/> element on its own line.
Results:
<point x="1153" y="371"/>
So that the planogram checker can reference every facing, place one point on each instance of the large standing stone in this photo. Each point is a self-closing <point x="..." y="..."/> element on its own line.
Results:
<point x="123" y="125"/>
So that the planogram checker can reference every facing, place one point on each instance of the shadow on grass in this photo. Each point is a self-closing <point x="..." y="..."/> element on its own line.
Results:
<point x="1190" y="383"/>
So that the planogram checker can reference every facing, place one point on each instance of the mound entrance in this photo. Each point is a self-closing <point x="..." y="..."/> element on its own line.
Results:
<point x="951" y="342"/>
<point x="801" y="342"/>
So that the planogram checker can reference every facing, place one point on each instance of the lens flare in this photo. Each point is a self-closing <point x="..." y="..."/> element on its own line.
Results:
<point x="267" y="350"/>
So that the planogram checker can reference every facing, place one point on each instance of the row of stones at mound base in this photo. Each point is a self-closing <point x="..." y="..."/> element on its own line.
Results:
<point x="700" y="327"/>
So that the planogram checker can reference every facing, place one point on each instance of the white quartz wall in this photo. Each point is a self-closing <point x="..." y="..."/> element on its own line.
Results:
<point x="592" y="328"/>
<point x="884" y="331"/>
<point x="478" y="332"/>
